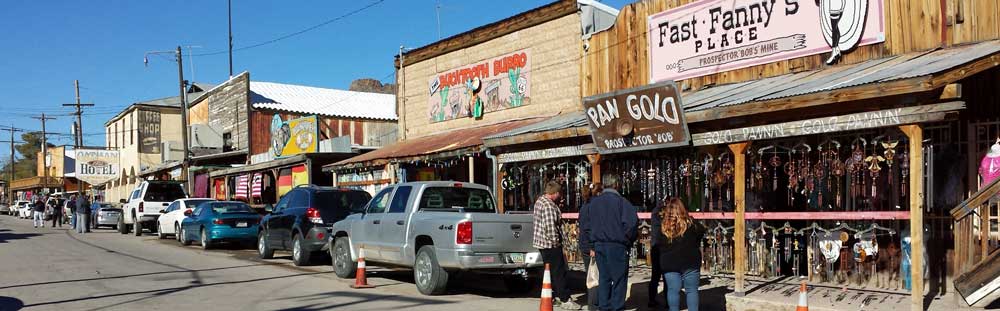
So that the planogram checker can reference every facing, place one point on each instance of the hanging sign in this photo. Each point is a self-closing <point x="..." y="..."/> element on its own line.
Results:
<point x="295" y="136"/>
<point x="710" y="36"/>
<point x="850" y="122"/>
<point x="647" y="117"/>
<point x="97" y="166"/>
<point x="490" y="85"/>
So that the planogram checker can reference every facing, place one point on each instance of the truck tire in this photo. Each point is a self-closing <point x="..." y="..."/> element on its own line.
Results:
<point x="300" y="255"/>
<point x="122" y="228"/>
<point x="265" y="251"/>
<point x="431" y="279"/>
<point x="343" y="265"/>
<point x="137" y="226"/>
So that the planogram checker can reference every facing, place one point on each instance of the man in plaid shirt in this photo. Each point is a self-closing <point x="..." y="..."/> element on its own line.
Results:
<point x="548" y="241"/>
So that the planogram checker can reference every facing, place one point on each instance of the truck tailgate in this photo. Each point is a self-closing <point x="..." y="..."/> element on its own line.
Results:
<point x="503" y="233"/>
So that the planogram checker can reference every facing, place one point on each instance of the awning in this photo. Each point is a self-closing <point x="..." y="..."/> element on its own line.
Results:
<point x="445" y="144"/>
<point x="901" y="74"/>
<point x="317" y="159"/>
<point x="160" y="168"/>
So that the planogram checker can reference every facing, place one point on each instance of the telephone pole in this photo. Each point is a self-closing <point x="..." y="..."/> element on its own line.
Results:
<point x="45" y="152"/>
<point x="78" y="138"/>
<point x="10" y="178"/>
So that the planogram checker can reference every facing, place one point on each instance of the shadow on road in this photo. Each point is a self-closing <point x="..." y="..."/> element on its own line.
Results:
<point x="6" y="235"/>
<point x="360" y="298"/>
<point x="10" y="304"/>
<point x="132" y="276"/>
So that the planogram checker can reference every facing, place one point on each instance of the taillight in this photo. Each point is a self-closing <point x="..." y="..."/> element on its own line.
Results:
<point x="140" y="207"/>
<point x="218" y="221"/>
<point x="464" y="233"/>
<point x="313" y="215"/>
<point x="320" y="236"/>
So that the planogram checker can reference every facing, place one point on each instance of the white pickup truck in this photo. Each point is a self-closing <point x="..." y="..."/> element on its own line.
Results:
<point x="143" y="205"/>
<point x="438" y="229"/>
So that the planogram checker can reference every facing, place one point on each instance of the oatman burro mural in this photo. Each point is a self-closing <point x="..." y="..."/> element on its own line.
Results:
<point x="486" y="86"/>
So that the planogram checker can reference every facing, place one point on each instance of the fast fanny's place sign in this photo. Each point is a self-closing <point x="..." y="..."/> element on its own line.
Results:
<point x="96" y="166"/>
<point x="642" y="118"/>
<point x="711" y="36"/>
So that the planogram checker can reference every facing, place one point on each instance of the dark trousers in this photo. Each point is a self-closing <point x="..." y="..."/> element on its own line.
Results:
<point x="657" y="274"/>
<point x="612" y="261"/>
<point x="57" y="218"/>
<point x="556" y="260"/>
<point x="591" y="292"/>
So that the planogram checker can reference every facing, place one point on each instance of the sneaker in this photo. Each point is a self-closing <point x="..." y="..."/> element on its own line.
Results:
<point x="569" y="305"/>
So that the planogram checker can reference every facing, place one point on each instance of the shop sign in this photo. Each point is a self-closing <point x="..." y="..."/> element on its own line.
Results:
<point x="550" y="153"/>
<point x="295" y="136"/>
<point x="850" y="122"/>
<point x="641" y="118"/>
<point x="712" y="36"/>
<point x="97" y="166"/>
<point x="486" y="86"/>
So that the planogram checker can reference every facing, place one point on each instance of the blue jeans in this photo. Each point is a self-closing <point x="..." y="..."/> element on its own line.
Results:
<point x="612" y="261"/>
<point x="37" y="219"/>
<point x="81" y="223"/>
<point x="72" y="220"/>
<point x="689" y="280"/>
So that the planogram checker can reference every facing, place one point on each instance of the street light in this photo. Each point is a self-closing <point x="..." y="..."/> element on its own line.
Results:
<point x="179" y="58"/>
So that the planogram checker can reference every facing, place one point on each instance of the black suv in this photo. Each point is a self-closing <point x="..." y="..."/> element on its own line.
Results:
<point x="302" y="219"/>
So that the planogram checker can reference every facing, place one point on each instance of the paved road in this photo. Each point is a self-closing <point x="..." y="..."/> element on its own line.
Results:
<point x="55" y="269"/>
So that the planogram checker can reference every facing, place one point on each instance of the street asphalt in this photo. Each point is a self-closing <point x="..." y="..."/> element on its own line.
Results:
<point x="58" y="269"/>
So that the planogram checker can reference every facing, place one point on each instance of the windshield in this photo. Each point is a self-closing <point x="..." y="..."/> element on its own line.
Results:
<point x="195" y="203"/>
<point x="472" y="200"/>
<point x="345" y="202"/>
<point x="164" y="192"/>
<point x="230" y="207"/>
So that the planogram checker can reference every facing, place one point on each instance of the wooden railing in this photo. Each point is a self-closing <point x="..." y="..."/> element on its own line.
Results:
<point x="975" y="230"/>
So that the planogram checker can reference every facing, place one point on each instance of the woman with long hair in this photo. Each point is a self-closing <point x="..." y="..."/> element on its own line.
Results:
<point x="680" y="257"/>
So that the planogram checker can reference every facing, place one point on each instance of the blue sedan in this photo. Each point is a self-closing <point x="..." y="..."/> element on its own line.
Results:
<point x="214" y="222"/>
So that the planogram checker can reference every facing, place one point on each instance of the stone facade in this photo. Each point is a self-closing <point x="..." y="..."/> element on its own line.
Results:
<point x="555" y="47"/>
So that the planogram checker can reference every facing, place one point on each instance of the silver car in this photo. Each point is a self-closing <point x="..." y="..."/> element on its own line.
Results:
<point x="107" y="215"/>
<point x="5" y="209"/>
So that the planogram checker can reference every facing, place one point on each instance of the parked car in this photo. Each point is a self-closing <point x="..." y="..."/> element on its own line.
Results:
<point x="24" y="209"/>
<point x="107" y="215"/>
<point x="172" y="216"/>
<point x="301" y="221"/>
<point x="6" y="209"/>
<point x="439" y="228"/>
<point x="220" y="221"/>
<point x="142" y="208"/>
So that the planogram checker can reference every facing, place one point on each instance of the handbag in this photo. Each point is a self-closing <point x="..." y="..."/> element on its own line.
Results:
<point x="593" y="276"/>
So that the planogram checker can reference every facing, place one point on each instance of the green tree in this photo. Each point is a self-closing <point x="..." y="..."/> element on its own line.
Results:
<point x="26" y="165"/>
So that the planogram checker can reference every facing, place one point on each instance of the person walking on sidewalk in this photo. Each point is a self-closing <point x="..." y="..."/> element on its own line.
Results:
<point x="657" y="273"/>
<point x="82" y="214"/>
<point x="38" y="212"/>
<point x="680" y="257"/>
<point x="71" y="206"/>
<point x="56" y="206"/>
<point x="586" y="247"/>
<point x="548" y="241"/>
<point x="613" y="229"/>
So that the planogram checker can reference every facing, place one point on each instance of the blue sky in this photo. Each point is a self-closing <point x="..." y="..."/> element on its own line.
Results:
<point x="48" y="44"/>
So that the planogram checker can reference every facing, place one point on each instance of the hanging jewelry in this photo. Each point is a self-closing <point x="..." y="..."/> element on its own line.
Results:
<point x="685" y="171"/>
<point x="873" y="170"/>
<point x="727" y="170"/>
<point x="793" y="180"/>
<point x="890" y="156"/>
<point x="775" y="167"/>
<point x="707" y="166"/>
<point x="904" y="165"/>
<point x="837" y="171"/>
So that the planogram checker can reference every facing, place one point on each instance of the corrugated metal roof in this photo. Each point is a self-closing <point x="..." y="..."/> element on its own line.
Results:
<point x="562" y="121"/>
<point x="322" y="101"/>
<point x="437" y="143"/>
<point x="882" y="70"/>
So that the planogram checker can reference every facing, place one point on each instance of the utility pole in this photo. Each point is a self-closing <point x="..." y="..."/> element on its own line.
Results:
<point x="79" y="116"/>
<point x="45" y="152"/>
<point x="230" y="6"/>
<point x="10" y="178"/>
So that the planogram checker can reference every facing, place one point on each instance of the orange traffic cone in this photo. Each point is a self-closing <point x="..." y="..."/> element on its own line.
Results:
<point x="803" y="298"/>
<point x="360" y="280"/>
<point x="546" y="304"/>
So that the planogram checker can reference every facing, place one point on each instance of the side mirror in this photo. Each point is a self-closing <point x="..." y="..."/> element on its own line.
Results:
<point x="268" y="208"/>
<point x="188" y="213"/>
<point x="122" y="201"/>
<point x="163" y="211"/>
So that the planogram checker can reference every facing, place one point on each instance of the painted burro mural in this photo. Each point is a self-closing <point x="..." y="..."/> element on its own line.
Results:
<point x="486" y="86"/>
<point x="711" y="36"/>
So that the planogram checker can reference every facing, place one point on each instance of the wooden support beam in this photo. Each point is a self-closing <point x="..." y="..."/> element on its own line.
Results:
<point x="915" y="134"/>
<point x="595" y="167"/>
<point x="739" y="230"/>
<point x="472" y="170"/>
<point x="951" y="91"/>
<point x="499" y="188"/>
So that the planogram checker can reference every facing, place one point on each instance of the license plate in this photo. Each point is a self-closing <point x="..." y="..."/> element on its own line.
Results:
<point x="241" y="224"/>
<point x="516" y="258"/>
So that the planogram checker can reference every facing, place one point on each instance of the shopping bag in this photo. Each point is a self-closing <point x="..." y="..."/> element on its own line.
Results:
<point x="593" y="276"/>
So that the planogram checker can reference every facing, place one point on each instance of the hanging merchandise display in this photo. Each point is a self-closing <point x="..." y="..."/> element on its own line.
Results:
<point x="989" y="167"/>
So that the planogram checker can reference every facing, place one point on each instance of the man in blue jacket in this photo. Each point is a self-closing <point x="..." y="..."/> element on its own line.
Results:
<point x="613" y="228"/>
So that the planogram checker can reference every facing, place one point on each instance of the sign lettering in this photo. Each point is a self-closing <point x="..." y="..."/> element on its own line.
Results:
<point x="642" y="118"/>
<point x="97" y="166"/>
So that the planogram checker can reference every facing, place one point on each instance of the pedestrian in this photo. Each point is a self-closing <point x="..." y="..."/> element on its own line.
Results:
<point x="72" y="211"/>
<point x="656" y="274"/>
<point x="613" y="230"/>
<point x="38" y="212"/>
<point x="680" y="257"/>
<point x="586" y="247"/>
<point x="56" y="205"/>
<point x="548" y="241"/>
<point x="95" y="208"/>
<point x="82" y="214"/>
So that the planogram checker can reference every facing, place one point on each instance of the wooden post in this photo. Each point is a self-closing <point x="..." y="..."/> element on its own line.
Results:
<point x="915" y="134"/>
<point x="739" y="229"/>
<point x="472" y="169"/>
<point x="499" y="188"/>
<point x="595" y="167"/>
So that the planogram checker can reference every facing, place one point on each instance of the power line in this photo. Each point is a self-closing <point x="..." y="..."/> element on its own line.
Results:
<point x="293" y="34"/>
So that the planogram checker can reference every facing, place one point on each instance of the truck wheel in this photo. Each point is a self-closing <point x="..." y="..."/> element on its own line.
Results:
<point x="300" y="255"/>
<point x="343" y="266"/>
<point x="205" y="242"/>
<point x="265" y="251"/>
<point x="122" y="228"/>
<point x="137" y="226"/>
<point x="431" y="279"/>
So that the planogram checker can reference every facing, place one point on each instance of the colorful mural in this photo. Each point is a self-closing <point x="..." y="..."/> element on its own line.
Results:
<point x="487" y="86"/>
<point x="295" y="136"/>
